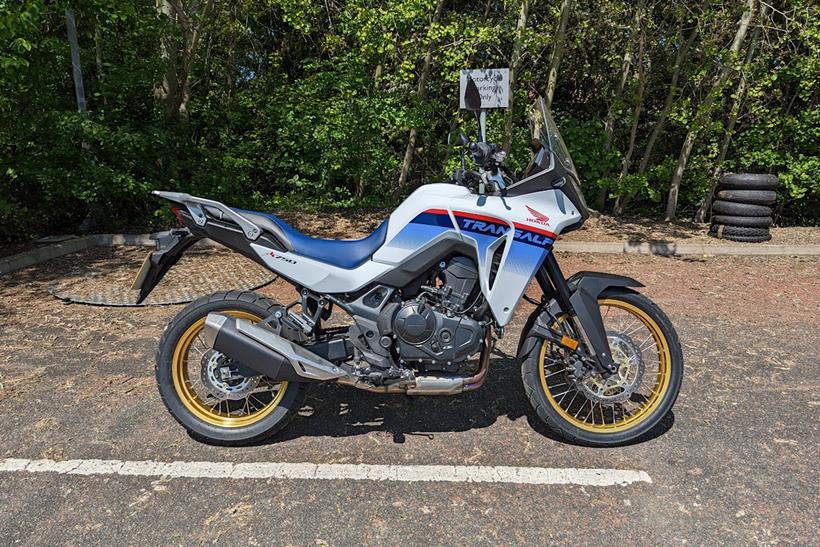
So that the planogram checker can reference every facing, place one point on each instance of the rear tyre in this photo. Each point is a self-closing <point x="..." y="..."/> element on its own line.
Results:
<point x="750" y="222"/>
<point x="740" y="209"/>
<point x="748" y="181"/>
<point x="758" y="197"/>
<point x="236" y="411"/>
<point x="596" y="412"/>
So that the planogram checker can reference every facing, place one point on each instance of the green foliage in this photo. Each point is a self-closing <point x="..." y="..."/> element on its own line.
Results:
<point x="309" y="104"/>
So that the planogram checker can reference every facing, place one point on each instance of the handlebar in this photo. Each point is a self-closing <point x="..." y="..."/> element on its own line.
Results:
<point x="489" y="158"/>
<point x="483" y="152"/>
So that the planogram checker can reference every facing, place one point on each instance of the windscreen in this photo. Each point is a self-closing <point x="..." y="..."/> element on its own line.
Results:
<point x="552" y="141"/>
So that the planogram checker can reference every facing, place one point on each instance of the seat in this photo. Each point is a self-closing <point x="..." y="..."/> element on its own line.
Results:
<point x="344" y="253"/>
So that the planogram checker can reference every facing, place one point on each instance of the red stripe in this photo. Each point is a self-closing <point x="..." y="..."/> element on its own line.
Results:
<point x="536" y="230"/>
<point x="437" y="211"/>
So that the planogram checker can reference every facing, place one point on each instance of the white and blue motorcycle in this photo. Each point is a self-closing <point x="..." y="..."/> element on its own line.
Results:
<point x="426" y="293"/>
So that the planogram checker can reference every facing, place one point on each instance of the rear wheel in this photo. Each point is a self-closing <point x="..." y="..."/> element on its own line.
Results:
<point x="203" y="389"/>
<point x="585" y="408"/>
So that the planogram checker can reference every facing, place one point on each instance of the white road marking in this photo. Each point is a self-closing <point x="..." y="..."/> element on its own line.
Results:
<point x="332" y="471"/>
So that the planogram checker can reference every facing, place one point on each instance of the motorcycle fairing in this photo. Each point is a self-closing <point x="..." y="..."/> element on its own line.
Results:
<point x="437" y="213"/>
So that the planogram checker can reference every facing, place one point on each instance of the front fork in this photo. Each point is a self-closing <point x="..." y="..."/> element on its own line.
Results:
<point x="581" y="306"/>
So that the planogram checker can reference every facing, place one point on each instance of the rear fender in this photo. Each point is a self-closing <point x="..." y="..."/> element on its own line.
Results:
<point x="171" y="245"/>
<point x="202" y="219"/>
<point x="585" y="288"/>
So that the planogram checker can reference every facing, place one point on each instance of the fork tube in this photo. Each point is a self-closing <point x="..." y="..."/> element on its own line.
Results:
<point x="550" y="274"/>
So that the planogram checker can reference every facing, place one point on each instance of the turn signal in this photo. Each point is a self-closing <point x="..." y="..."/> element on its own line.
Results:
<point x="571" y="343"/>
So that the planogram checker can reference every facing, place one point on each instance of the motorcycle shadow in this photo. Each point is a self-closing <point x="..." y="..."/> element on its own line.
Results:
<point x="338" y="411"/>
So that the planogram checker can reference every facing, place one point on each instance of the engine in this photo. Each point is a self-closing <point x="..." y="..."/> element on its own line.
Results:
<point x="436" y="329"/>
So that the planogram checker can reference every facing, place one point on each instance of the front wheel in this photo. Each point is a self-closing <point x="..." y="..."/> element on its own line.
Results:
<point x="587" y="409"/>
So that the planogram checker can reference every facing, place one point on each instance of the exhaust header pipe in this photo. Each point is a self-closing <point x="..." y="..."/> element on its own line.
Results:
<point x="434" y="385"/>
<point x="265" y="352"/>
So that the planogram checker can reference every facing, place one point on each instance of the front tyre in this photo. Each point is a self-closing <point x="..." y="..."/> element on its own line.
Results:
<point x="203" y="389"/>
<point x="585" y="408"/>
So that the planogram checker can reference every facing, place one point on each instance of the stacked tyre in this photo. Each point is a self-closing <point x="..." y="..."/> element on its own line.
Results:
<point x="742" y="208"/>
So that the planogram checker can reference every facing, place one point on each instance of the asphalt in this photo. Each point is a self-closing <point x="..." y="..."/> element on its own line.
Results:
<point x="734" y="463"/>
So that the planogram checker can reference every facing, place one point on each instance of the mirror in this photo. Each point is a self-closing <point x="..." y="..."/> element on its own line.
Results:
<point x="455" y="137"/>
<point x="472" y="97"/>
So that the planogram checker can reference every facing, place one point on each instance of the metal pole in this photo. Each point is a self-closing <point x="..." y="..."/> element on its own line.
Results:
<point x="79" y="90"/>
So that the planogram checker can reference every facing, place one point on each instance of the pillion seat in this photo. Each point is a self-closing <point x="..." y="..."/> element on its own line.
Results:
<point x="344" y="253"/>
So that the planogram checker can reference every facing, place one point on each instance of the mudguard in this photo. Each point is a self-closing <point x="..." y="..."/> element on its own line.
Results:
<point x="585" y="287"/>
<point x="171" y="245"/>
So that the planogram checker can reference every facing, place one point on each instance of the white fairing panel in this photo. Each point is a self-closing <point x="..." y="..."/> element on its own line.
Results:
<point x="520" y="230"/>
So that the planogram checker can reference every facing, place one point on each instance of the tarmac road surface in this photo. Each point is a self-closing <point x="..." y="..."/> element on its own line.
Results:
<point x="736" y="462"/>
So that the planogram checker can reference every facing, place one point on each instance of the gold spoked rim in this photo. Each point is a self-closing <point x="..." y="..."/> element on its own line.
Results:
<point x="643" y="339"/>
<point x="186" y="373"/>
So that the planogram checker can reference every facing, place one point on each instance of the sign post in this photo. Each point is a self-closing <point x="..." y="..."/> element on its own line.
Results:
<point x="493" y="85"/>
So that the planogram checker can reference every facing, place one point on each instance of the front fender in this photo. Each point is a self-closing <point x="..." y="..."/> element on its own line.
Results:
<point x="585" y="288"/>
<point x="597" y="282"/>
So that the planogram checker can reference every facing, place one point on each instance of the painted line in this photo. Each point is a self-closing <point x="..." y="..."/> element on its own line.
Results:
<point x="331" y="471"/>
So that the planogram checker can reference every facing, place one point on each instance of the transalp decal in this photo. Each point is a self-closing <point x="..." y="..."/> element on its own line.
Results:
<point x="471" y="222"/>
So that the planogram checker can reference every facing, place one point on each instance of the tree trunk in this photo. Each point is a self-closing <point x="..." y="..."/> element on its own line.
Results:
<point x="98" y="51"/>
<point x="169" y="49"/>
<point x="626" y="65"/>
<point x="421" y="93"/>
<point x="175" y="90"/>
<point x="740" y="95"/>
<point x="703" y="111"/>
<point x="621" y="202"/>
<point x="557" y="52"/>
<point x="515" y="63"/>
<point x="680" y="58"/>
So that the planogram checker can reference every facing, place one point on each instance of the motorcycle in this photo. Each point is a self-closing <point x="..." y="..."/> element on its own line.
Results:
<point x="426" y="293"/>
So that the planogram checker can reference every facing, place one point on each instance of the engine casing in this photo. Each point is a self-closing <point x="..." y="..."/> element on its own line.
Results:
<point x="436" y="330"/>
<point x="428" y="336"/>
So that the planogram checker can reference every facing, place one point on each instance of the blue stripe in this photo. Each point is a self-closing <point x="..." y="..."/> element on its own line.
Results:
<point x="433" y="219"/>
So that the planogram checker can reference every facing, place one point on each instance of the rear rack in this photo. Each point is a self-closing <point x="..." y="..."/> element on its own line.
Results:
<point x="197" y="205"/>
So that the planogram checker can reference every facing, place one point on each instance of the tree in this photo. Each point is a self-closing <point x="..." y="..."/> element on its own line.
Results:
<point x="657" y="128"/>
<point x="620" y="202"/>
<point x="557" y="51"/>
<point x="704" y="110"/>
<point x="191" y="19"/>
<point x="740" y="95"/>
<point x="421" y="94"/>
<point x="515" y="64"/>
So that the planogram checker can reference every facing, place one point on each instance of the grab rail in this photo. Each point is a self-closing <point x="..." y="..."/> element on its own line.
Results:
<point x="195" y="206"/>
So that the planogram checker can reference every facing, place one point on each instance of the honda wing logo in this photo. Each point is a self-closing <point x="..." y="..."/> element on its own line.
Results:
<point x="537" y="218"/>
